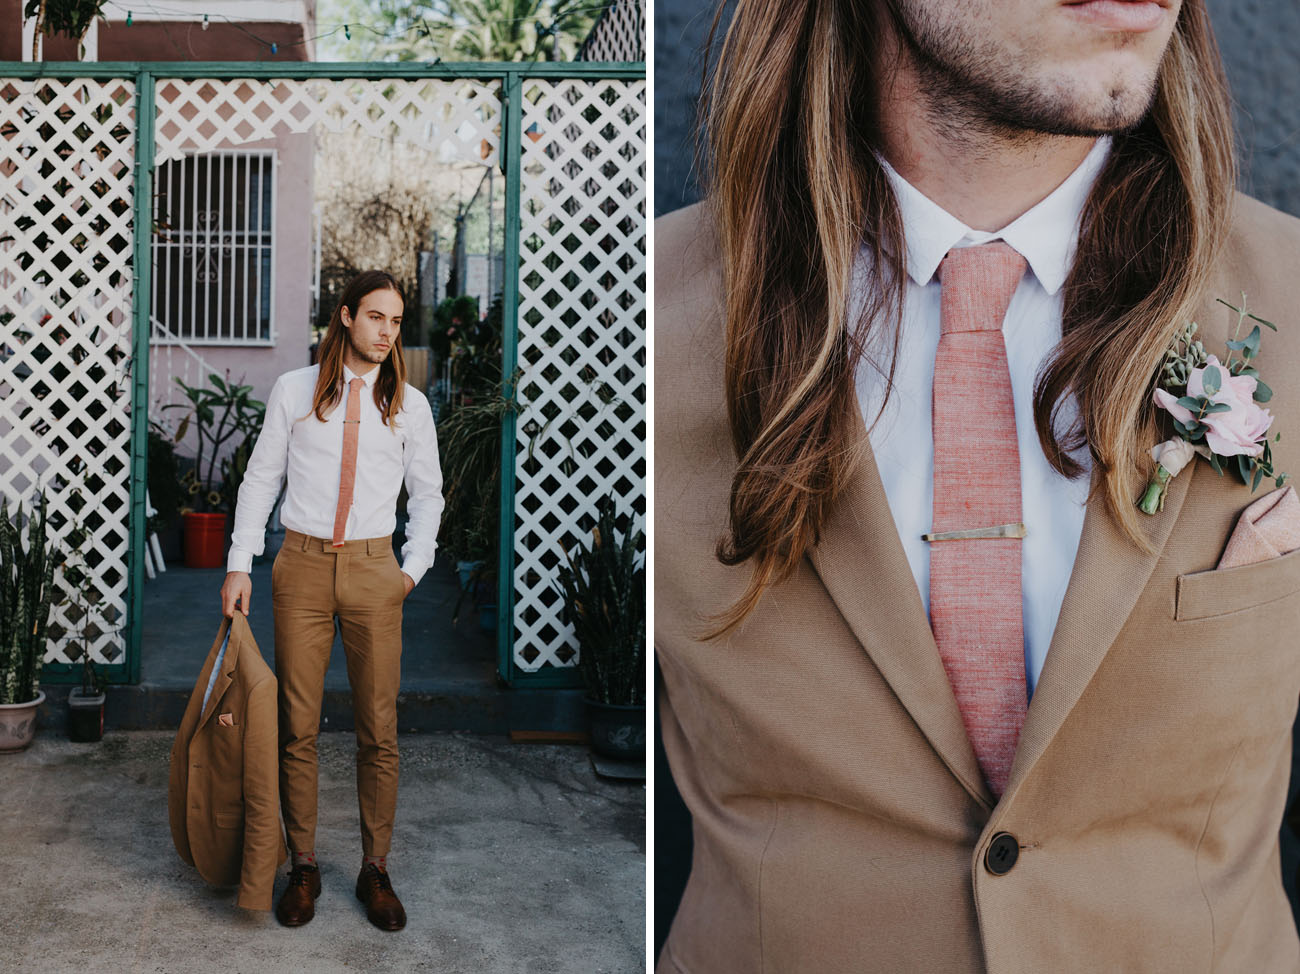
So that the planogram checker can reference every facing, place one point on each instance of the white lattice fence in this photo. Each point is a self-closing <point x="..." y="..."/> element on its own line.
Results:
<point x="619" y="34"/>
<point x="459" y="120"/>
<point x="581" y="337"/>
<point x="65" y="325"/>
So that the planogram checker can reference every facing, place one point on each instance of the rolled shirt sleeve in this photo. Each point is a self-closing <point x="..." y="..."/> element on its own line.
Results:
<point x="262" y="481"/>
<point x="424" y="501"/>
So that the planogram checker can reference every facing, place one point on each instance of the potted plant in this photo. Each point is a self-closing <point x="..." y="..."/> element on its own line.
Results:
<point x="26" y="594"/>
<point x="604" y="599"/>
<point x="220" y="413"/>
<point x="469" y="445"/>
<point x="86" y="702"/>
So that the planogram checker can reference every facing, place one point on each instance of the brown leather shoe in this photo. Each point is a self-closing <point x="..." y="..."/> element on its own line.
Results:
<point x="298" y="902"/>
<point x="383" y="908"/>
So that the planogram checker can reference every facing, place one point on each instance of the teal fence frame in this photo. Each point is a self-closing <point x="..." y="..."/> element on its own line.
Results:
<point x="145" y="75"/>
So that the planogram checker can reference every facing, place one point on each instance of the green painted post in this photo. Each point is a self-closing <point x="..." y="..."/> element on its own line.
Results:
<point x="511" y="153"/>
<point x="141" y="292"/>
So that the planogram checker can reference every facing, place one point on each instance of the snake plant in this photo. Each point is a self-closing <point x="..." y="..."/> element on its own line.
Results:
<point x="26" y="594"/>
<point x="604" y="598"/>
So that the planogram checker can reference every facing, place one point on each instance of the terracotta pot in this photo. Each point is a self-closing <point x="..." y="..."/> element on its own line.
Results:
<point x="205" y="540"/>
<point x="18" y="723"/>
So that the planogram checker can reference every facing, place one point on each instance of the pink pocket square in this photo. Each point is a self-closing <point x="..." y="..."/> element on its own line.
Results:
<point x="226" y="720"/>
<point x="1268" y="528"/>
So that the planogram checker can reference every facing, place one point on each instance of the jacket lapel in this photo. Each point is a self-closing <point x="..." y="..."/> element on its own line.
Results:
<point x="861" y="562"/>
<point x="1109" y="574"/>
<point x="227" y="665"/>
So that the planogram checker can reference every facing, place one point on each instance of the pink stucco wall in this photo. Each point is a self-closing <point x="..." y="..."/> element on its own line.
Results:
<point x="259" y="366"/>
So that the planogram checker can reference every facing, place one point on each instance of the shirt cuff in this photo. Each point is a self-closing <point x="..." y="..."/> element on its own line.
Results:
<point x="239" y="560"/>
<point x="414" y="569"/>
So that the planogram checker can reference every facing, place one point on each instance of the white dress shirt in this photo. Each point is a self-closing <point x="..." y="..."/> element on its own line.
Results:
<point x="1052" y="506"/>
<point x="310" y="453"/>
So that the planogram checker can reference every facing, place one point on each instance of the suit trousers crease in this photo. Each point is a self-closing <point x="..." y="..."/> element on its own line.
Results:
<point x="362" y="585"/>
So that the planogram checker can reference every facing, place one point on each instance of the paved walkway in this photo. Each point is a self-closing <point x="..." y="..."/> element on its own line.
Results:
<point x="510" y="858"/>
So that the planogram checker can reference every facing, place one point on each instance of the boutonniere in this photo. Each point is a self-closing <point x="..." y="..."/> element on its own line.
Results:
<point x="1215" y="409"/>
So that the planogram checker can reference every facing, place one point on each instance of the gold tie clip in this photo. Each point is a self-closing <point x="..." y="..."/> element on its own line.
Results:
<point x="1015" y="530"/>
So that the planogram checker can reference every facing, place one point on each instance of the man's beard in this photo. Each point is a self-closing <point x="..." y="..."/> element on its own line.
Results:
<point x="975" y="88"/>
<point x="367" y="354"/>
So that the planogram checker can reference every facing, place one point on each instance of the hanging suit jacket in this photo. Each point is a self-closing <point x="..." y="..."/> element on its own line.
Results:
<point x="223" y="798"/>
<point x="840" y="820"/>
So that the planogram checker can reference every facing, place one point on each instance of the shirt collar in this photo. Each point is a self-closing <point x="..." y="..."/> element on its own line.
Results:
<point x="368" y="378"/>
<point x="1045" y="234"/>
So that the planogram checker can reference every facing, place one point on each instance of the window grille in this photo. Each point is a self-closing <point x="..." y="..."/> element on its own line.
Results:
<point x="212" y="246"/>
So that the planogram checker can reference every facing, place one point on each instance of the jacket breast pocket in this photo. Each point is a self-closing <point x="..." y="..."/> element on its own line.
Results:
<point x="1204" y="595"/>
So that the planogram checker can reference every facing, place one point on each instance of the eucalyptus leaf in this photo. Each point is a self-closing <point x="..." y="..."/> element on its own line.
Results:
<point x="1211" y="379"/>
<point x="1214" y="462"/>
<point x="1262" y="392"/>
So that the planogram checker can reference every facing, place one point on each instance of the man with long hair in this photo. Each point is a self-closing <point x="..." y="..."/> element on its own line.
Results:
<point x="938" y="695"/>
<point x="342" y="436"/>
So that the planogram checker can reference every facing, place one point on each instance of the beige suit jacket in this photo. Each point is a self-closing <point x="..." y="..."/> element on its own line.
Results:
<point x="223" y="798"/>
<point x="840" y="819"/>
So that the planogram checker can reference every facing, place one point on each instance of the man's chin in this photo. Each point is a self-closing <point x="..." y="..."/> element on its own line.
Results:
<point x="1122" y="113"/>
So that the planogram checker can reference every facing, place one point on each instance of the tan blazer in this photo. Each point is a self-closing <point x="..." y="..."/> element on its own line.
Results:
<point x="840" y="819"/>
<point x="223" y="797"/>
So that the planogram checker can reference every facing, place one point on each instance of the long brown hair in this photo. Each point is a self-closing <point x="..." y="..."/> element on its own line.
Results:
<point x="790" y="127"/>
<point x="392" y="370"/>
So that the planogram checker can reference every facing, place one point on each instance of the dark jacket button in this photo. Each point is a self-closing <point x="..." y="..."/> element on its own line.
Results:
<point x="1001" y="854"/>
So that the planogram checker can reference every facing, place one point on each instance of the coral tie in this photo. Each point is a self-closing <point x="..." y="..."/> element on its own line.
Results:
<point x="975" y="603"/>
<point x="348" y="473"/>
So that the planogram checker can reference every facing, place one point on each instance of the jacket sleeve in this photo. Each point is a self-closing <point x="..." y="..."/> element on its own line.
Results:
<point x="263" y="838"/>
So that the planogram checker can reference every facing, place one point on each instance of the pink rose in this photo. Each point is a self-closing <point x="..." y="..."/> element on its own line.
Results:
<point x="1239" y="430"/>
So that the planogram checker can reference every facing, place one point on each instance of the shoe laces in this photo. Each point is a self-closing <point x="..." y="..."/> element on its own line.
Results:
<point x="299" y="875"/>
<point x="379" y="877"/>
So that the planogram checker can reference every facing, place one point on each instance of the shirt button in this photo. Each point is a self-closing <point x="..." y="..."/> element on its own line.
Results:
<point x="1001" y="854"/>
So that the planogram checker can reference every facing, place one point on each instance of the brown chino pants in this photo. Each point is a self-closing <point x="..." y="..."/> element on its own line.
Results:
<point x="361" y="583"/>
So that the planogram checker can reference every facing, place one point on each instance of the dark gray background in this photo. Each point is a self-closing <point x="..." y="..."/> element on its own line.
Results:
<point x="1260" y="40"/>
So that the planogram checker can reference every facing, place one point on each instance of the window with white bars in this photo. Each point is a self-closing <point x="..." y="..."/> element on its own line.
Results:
<point x="212" y="246"/>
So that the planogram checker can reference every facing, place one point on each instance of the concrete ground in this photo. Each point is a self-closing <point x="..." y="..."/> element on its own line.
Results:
<point x="511" y="858"/>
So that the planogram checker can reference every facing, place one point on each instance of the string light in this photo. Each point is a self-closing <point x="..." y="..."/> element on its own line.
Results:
<point x="128" y="18"/>
<point x="274" y="48"/>
<point x="347" y="31"/>
<point x="205" y="21"/>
